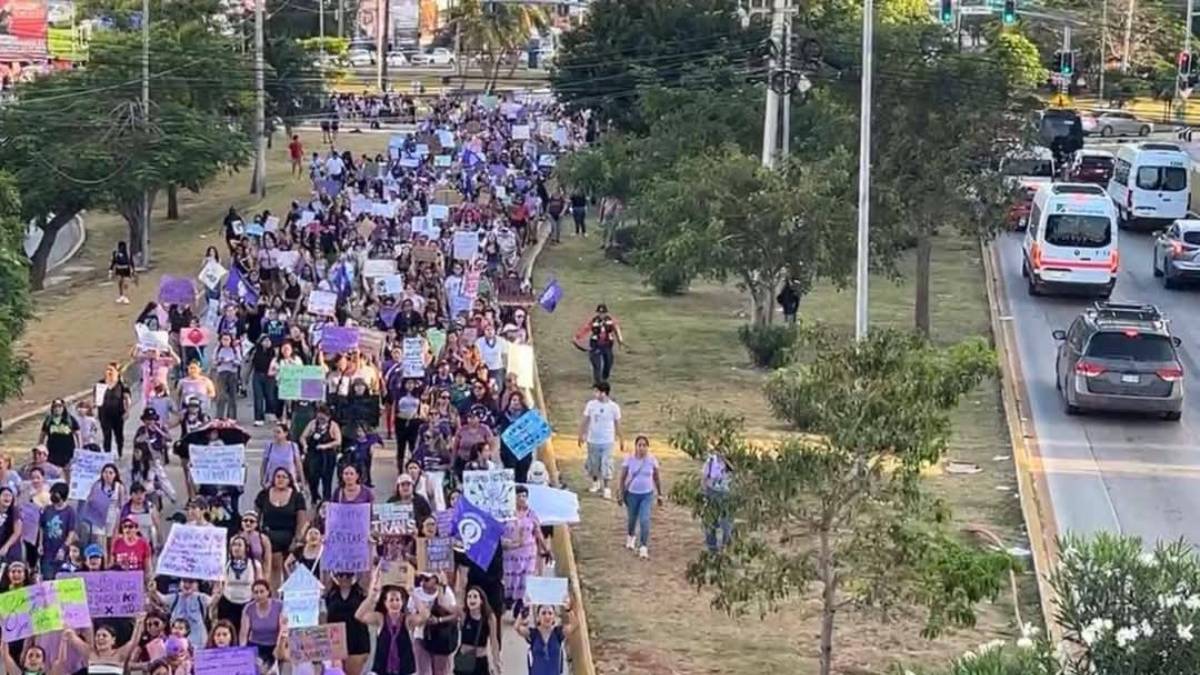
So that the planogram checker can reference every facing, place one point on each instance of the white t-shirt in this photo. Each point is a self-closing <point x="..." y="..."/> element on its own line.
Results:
<point x="334" y="166"/>
<point x="419" y="597"/>
<point x="493" y="353"/>
<point x="602" y="417"/>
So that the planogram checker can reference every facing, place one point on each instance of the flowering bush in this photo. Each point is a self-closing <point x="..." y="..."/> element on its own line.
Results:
<point x="1127" y="610"/>
<point x="1028" y="656"/>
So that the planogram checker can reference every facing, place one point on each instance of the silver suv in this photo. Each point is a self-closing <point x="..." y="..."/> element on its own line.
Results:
<point x="1120" y="357"/>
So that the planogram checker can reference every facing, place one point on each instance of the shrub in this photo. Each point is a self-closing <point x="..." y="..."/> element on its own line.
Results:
<point x="768" y="346"/>
<point x="1028" y="657"/>
<point x="669" y="282"/>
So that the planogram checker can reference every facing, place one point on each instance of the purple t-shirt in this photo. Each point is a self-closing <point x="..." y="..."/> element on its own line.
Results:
<point x="639" y="474"/>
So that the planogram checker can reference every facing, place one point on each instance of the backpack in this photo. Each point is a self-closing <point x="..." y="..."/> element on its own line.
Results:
<point x="203" y="610"/>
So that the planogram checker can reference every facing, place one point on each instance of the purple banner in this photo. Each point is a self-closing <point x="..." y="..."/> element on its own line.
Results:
<point x="479" y="532"/>
<point x="339" y="339"/>
<point x="114" y="594"/>
<point x="550" y="296"/>
<point x="347" y="538"/>
<point x="226" y="661"/>
<point x="176" y="290"/>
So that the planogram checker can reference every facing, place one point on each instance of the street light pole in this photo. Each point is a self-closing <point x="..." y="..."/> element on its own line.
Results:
<point x="259" y="183"/>
<point x="321" y="26"/>
<point x="864" y="174"/>
<point x="1104" y="44"/>
<point x="771" y="116"/>
<point x="1128" y="36"/>
<point x="146" y="126"/>
<point x="785" y="145"/>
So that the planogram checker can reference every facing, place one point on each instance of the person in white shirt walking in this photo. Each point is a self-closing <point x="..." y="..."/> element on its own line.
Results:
<point x="601" y="430"/>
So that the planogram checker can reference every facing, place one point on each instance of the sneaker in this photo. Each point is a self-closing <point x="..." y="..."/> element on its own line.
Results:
<point x="595" y="487"/>
<point x="643" y="553"/>
<point x="629" y="542"/>
<point x="607" y="493"/>
<point x="258" y="423"/>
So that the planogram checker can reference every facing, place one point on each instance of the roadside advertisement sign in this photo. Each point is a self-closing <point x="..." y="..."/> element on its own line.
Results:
<point x="22" y="30"/>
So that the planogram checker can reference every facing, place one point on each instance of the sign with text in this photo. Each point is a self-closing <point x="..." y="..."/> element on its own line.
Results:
<point x="217" y="464"/>
<point x="44" y="608"/>
<point x="392" y="520"/>
<point x="347" y="542"/>
<point x="326" y="642"/>
<point x="339" y="339"/>
<point x="414" y="357"/>
<point x="226" y="661"/>
<point x="466" y="244"/>
<point x="85" y="470"/>
<point x="193" y="552"/>
<point x="493" y="492"/>
<point x="301" y="383"/>
<point x="526" y="434"/>
<point x="322" y="303"/>
<point x="302" y="607"/>
<point x="113" y="594"/>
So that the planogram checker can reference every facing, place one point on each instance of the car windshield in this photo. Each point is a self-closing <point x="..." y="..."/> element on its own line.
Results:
<point x="1131" y="346"/>
<point x="1078" y="230"/>
<point x="1042" y="168"/>
<point x="1165" y="178"/>
<point x="1055" y="127"/>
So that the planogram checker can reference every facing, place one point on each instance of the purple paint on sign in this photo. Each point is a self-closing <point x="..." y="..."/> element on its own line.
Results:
<point x="226" y="661"/>
<point x="339" y="339"/>
<point x="347" y="538"/>
<point x="176" y="290"/>
<point x="311" y="390"/>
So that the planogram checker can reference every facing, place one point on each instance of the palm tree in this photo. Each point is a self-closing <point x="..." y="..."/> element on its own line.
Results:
<point x="495" y="31"/>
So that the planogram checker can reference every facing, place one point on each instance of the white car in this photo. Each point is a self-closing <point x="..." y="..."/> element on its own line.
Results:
<point x="360" y="58"/>
<point x="439" y="56"/>
<point x="396" y="59"/>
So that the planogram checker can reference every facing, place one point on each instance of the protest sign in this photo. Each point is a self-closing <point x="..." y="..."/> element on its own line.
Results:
<point x="560" y="135"/>
<point x="217" y="464"/>
<point x="378" y="267"/>
<point x="445" y="138"/>
<point x="347" y="544"/>
<point x="553" y="506"/>
<point x="439" y="554"/>
<point x="439" y="211"/>
<point x="466" y="244"/>
<point x="193" y="552"/>
<point x="442" y="160"/>
<point x="301" y="608"/>
<point x="98" y="391"/>
<point x="520" y="132"/>
<point x="414" y="357"/>
<point x="520" y="363"/>
<point x="488" y="102"/>
<point x="301" y="579"/>
<point x="271" y="224"/>
<point x="479" y="532"/>
<point x="147" y="339"/>
<point x="301" y="383"/>
<point x="493" y="491"/>
<point x="287" y="259"/>
<point x="44" y="608"/>
<point x="113" y="594"/>
<point x="426" y="254"/>
<point x="437" y="340"/>
<point x="85" y="470"/>
<point x="550" y="296"/>
<point x="547" y="161"/>
<point x="471" y="283"/>
<point x="526" y="434"/>
<point x="546" y="128"/>
<point x="546" y="590"/>
<point x="339" y="339"/>
<point x="225" y="661"/>
<point x="410" y="162"/>
<point x="326" y="642"/>
<point x="370" y="343"/>
<point x="322" y="302"/>
<point x="392" y="520"/>
<point x="389" y="285"/>
<point x="211" y="274"/>
<point x="176" y="290"/>
<point x="255" y="229"/>
<point x="445" y="523"/>
<point x="194" y="336"/>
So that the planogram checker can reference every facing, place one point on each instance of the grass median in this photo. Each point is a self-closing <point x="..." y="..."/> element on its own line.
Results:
<point x="684" y="351"/>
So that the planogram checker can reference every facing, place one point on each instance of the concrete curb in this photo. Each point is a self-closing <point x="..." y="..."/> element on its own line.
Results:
<point x="1036" y="505"/>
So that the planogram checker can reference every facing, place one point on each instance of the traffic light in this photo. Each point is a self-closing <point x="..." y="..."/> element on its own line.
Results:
<point x="1185" y="64"/>
<point x="1010" y="12"/>
<point x="947" y="12"/>
<point x="1066" y="63"/>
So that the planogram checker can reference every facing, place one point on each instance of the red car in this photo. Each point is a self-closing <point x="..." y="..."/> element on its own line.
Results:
<point x="1018" y="212"/>
<point x="1092" y="166"/>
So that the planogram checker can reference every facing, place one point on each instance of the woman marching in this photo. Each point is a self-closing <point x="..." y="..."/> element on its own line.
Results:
<point x="121" y="268"/>
<point x="394" y="649"/>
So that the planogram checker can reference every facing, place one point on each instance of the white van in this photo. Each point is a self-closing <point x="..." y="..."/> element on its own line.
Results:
<point x="1151" y="184"/>
<point x="1028" y="167"/>
<point x="1071" y="241"/>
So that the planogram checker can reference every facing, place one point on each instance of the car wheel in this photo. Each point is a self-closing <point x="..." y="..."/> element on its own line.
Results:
<point x="1168" y="282"/>
<point x="1032" y="286"/>
<point x="1068" y="407"/>
<point x="1024" y="269"/>
<point x="1144" y="130"/>
<point x="1154" y="265"/>
<point x="1106" y="132"/>
<point x="1173" y="416"/>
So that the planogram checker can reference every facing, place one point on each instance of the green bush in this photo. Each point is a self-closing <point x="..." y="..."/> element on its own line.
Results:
<point x="768" y="346"/>
<point x="1028" y="657"/>
<point x="669" y="282"/>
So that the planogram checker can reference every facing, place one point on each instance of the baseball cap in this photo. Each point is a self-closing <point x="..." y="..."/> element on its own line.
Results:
<point x="93" y="551"/>
<point x="404" y="478"/>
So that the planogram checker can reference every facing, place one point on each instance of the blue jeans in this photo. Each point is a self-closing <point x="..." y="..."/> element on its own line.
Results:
<point x="263" y="390"/>
<point x="724" y="525"/>
<point x="637" y="512"/>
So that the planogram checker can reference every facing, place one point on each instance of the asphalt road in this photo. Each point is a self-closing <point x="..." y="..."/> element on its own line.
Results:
<point x="1118" y="473"/>
<point x="383" y="471"/>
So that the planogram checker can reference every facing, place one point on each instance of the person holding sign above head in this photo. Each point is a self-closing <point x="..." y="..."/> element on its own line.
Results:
<point x="546" y="638"/>
<point x="33" y="662"/>
<point x="386" y="607"/>
<point x="103" y="655"/>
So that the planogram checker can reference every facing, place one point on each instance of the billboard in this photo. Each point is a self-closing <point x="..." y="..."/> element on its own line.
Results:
<point x="22" y="30"/>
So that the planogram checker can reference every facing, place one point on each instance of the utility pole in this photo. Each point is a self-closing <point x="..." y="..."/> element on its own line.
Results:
<point x="1185" y="80"/>
<point x="321" y="26"/>
<point x="771" y="118"/>
<point x="380" y="39"/>
<point x="1104" y="44"/>
<point x="341" y="18"/>
<point x="146" y="126"/>
<point x="1128" y="36"/>
<point x="785" y="143"/>
<point x="258" y="185"/>
<point x="864" y="174"/>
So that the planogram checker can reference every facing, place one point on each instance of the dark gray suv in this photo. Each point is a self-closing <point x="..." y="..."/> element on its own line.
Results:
<point x="1120" y="357"/>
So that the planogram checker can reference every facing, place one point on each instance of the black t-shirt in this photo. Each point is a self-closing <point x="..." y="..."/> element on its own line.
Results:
<point x="113" y="402"/>
<point x="261" y="360"/>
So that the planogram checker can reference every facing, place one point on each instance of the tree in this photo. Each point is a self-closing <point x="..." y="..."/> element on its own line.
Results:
<point x="1019" y="59"/>
<point x="840" y="505"/>
<point x="15" y="305"/>
<point x="497" y="33"/>
<point x="724" y="216"/>
<point x="628" y="43"/>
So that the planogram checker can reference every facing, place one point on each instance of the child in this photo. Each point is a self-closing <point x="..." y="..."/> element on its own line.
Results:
<point x="89" y="425"/>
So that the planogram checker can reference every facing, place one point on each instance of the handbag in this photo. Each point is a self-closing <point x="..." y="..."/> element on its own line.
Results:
<point x="441" y="639"/>
<point x="465" y="662"/>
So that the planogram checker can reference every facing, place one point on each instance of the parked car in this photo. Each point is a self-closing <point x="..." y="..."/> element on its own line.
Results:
<point x="438" y="56"/>
<point x="397" y="60"/>
<point x="1114" y="123"/>
<point x="360" y="58"/>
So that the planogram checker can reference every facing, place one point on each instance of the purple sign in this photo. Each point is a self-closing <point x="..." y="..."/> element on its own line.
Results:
<point x="226" y="661"/>
<point x="176" y="290"/>
<point x="550" y="296"/>
<point x="388" y="315"/>
<point x="339" y="339"/>
<point x="114" y="594"/>
<point x="347" y="538"/>
<point x="312" y="390"/>
<point x="445" y="523"/>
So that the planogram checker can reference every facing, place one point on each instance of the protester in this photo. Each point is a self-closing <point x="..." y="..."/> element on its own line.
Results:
<point x="60" y="434"/>
<point x="546" y="638"/>
<point x="638" y="488"/>
<point x="387" y="609"/>
<point x="121" y="267"/>
<point x="601" y="332"/>
<point x="600" y="429"/>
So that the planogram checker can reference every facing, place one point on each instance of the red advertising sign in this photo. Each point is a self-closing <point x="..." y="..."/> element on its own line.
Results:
<point x="22" y="30"/>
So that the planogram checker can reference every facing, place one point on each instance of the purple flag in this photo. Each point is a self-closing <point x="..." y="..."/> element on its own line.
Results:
<point x="550" y="296"/>
<point x="339" y="339"/>
<point x="176" y="290"/>
<point x="479" y="531"/>
<point x="347" y="539"/>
